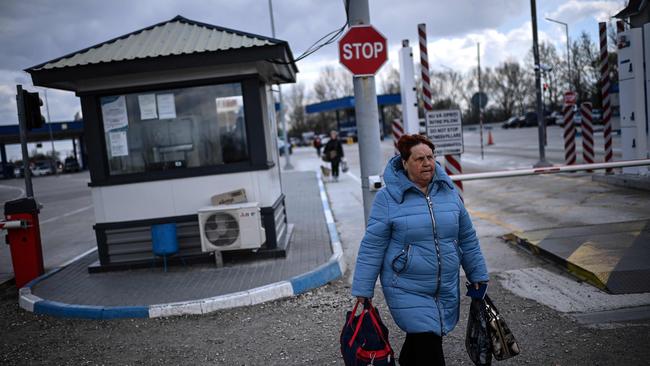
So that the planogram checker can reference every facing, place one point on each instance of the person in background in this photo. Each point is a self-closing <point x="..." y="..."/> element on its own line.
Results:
<point x="317" y="145"/>
<point x="334" y="152"/>
<point x="418" y="236"/>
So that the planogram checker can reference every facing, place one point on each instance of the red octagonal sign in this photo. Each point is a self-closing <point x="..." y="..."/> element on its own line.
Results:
<point x="363" y="50"/>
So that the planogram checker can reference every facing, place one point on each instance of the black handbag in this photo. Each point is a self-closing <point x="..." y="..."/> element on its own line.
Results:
<point x="364" y="338"/>
<point x="504" y="344"/>
<point x="488" y="334"/>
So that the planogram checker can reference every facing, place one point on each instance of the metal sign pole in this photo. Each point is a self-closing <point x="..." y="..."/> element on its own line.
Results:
<point x="538" y="86"/>
<point x="22" y="124"/>
<point x="283" y="121"/>
<point x="367" y="116"/>
<point x="480" y="101"/>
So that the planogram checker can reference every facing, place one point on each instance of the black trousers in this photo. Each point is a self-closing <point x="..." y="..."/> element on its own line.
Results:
<point x="335" y="167"/>
<point x="422" y="349"/>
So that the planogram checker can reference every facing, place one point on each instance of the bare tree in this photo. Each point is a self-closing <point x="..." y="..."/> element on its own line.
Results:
<point x="296" y="109"/>
<point x="391" y="83"/>
<point x="332" y="84"/>
<point x="584" y="65"/>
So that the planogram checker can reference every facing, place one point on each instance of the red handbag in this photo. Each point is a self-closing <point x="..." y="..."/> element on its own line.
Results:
<point x="364" y="338"/>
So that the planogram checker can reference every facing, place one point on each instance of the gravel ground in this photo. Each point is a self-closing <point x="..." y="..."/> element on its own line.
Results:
<point x="298" y="331"/>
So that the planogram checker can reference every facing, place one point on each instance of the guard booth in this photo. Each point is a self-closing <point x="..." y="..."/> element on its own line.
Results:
<point x="175" y="114"/>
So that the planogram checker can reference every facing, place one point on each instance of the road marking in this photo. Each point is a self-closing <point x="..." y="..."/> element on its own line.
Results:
<point x="491" y="218"/>
<point x="66" y="214"/>
<point x="78" y="257"/>
<point x="22" y="191"/>
<point x="354" y="177"/>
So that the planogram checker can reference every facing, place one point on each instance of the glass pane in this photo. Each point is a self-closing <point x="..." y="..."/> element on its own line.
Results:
<point x="175" y="128"/>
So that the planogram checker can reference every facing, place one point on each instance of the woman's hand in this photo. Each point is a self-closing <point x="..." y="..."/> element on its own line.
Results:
<point x="364" y="299"/>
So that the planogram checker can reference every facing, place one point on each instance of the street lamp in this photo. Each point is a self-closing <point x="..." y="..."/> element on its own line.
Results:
<point x="566" y="29"/>
<point x="283" y="121"/>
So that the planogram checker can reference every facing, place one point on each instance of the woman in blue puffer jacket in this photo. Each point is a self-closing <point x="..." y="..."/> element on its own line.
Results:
<point x="418" y="235"/>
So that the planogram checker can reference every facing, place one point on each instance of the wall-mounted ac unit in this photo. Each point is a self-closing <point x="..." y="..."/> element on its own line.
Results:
<point x="231" y="227"/>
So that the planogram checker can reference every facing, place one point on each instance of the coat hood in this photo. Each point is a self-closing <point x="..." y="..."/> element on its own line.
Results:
<point x="397" y="182"/>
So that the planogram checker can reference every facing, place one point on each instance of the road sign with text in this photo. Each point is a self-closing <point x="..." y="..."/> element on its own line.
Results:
<point x="570" y="98"/>
<point x="445" y="129"/>
<point x="363" y="50"/>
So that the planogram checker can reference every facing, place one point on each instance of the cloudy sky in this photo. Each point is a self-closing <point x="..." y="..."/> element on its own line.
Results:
<point x="34" y="31"/>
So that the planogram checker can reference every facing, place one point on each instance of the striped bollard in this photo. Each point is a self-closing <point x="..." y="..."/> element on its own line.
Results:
<point x="604" y="91"/>
<point x="424" y="67"/>
<point x="569" y="136"/>
<point x="452" y="162"/>
<point x="587" y="134"/>
<point x="398" y="131"/>
<point x="453" y="167"/>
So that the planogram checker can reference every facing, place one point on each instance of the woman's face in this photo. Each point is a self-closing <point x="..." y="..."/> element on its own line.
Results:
<point x="421" y="165"/>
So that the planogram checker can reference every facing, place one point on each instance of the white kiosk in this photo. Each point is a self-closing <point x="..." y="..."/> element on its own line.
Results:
<point x="634" y="79"/>
<point x="174" y="114"/>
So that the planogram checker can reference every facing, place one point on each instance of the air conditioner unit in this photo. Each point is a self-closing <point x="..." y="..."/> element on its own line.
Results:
<point x="231" y="227"/>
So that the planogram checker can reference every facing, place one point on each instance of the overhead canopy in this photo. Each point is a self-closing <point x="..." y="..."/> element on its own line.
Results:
<point x="348" y="103"/>
<point x="179" y="43"/>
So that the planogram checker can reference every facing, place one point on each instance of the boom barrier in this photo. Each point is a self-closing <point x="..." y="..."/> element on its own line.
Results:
<point x="549" y="170"/>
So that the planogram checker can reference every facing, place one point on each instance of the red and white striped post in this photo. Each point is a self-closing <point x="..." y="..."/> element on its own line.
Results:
<point x="398" y="131"/>
<point x="452" y="162"/>
<point x="569" y="129"/>
<point x="587" y="134"/>
<point x="424" y="67"/>
<point x="604" y="91"/>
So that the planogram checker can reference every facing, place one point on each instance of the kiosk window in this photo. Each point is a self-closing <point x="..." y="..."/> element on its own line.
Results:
<point x="174" y="128"/>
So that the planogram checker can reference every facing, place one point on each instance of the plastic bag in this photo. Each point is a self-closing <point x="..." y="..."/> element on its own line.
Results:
<point x="477" y="339"/>
<point x="344" y="166"/>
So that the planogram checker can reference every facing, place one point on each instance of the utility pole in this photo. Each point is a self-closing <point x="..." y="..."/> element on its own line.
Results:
<point x="480" y="99"/>
<point x="22" y="126"/>
<point x="49" y="126"/>
<point x="367" y="116"/>
<point x="538" y="90"/>
<point x="283" y="121"/>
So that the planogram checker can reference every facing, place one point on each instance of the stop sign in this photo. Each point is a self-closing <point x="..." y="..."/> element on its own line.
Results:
<point x="363" y="50"/>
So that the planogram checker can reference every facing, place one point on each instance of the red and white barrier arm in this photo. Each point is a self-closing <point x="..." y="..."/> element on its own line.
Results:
<point x="549" y="170"/>
<point x="15" y="224"/>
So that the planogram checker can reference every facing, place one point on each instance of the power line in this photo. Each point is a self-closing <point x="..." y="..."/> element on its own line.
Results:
<point x="333" y="37"/>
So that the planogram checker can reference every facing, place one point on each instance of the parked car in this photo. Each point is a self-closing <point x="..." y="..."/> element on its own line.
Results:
<point x="282" y="147"/>
<point x="597" y="116"/>
<point x="512" y="122"/>
<point x="19" y="171"/>
<point x="555" y="118"/>
<point x="71" y="165"/>
<point x="530" y="119"/>
<point x="44" y="167"/>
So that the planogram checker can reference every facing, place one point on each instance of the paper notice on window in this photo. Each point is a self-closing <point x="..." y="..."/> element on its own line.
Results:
<point x="119" y="143"/>
<point x="147" y="103"/>
<point x="114" y="113"/>
<point x="166" y="106"/>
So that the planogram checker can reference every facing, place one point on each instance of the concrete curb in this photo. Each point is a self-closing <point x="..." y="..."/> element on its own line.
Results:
<point x="572" y="268"/>
<point x="333" y="269"/>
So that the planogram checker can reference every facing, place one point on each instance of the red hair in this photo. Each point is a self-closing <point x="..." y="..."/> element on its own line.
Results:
<point x="406" y="142"/>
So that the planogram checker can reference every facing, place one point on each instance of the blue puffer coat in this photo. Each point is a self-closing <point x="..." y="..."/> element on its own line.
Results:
<point x="419" y="275"/>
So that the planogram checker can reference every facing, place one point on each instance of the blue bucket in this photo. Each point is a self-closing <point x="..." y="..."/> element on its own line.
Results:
<point x="163" y="239"/>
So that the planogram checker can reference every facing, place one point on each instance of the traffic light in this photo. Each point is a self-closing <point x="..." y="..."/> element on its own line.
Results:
<point x="33" y="117"/>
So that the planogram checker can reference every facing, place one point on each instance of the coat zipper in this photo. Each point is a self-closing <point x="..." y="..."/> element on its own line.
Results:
<point x="435" y="241"/>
